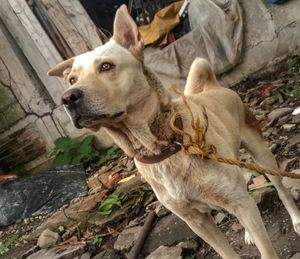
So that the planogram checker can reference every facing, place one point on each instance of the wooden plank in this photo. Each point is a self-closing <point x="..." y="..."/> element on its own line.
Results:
<point x="21" y="83"/>
<point x="36" y="32"/>
<point x="34" y="43"/>
<point x="51" y="30"/>
<point x="65" y="26"/>
<point x="82" y="22"/>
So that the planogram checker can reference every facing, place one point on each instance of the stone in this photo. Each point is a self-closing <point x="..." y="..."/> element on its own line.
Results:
<point x="160" y="210"/>
<point x="108" y="253"/>
<point x="296" y="119"/>
<point x="294" y="140"/>
<point x="191" y="244"/>
<point x="165" y="252"/>
<point x="77" y="211"/>
<point x="168" y="231"/>
<point x="295" y="256"/>
<point x="93" y="182"/>
<point x="104" y="221"/>
<point x="61" y="252"/>
<point x="130" y="165"/>
<point x="127" y="239"/>
<point x="30" y="251"/>
<point x="104" y="178"/>
<point x="40" y="194"/>
<point x="219" y="218"/>
<point x="293" y="185"/>
<point x="277" y="113"/>
<point x="268" y="132"/>
<point x="47" y="239"/>
<point x="86" y="255"/>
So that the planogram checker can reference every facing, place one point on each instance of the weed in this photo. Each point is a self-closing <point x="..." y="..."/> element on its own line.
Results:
<point x="111" y="203"/>
<point x="69" y="151"/>
<point x="10" y="242"/>
<point x="97" y="241"/>
<point x="295" y="93"/>
<point x="294" y="65"/>
<point x="111" y="153"/>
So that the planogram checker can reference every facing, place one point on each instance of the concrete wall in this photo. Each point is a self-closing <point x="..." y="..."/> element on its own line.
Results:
<point x="271" y="33"/>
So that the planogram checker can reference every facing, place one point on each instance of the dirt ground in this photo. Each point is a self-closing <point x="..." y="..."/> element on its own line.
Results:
<point x="280" y="230"/>
<point x="265" y="92"/>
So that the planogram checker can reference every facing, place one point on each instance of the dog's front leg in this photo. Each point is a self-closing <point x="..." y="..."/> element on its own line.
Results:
<point x="204" y="226"/>
<point x="200" y="221"/>
<point x="141" y="131"/>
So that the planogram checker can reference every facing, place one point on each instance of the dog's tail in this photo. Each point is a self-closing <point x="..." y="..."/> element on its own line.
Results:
<point x="200" y="78"/>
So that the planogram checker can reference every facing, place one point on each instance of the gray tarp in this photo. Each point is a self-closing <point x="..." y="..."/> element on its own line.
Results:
<point x="40" y="194"/>
<point x="217" y="35"/>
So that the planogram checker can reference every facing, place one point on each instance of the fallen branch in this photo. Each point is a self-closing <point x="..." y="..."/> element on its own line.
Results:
<point x="135" y="250"/>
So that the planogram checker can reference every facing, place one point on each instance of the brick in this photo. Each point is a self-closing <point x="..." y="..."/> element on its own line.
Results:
<point x="22" y="146"/>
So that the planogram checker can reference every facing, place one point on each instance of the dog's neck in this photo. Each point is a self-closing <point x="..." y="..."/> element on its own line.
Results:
<point x="146" y="129"/>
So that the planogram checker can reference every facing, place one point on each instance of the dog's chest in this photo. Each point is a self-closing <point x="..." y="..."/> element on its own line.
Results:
<point x="174" y="177"/>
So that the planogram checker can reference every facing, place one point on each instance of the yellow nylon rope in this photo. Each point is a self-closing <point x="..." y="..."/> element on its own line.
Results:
<point x="203" y="150"/>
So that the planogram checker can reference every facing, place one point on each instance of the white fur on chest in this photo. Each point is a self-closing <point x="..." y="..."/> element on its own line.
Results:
<point x="186" y="179"/>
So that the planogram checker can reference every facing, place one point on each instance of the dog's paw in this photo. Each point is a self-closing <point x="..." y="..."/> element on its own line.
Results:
<point x="248" y="238"/>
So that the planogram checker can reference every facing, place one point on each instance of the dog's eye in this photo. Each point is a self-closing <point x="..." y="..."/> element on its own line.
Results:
<point x="72" y="80"/>
<point x="106" y="67"/>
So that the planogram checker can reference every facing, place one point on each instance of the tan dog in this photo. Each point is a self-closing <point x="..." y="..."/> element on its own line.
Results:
<point x="111" y="87"/>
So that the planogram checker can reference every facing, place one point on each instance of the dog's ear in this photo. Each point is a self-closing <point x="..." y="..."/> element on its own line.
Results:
<point x="62" y="69"/>
<point x="126" y="33"/>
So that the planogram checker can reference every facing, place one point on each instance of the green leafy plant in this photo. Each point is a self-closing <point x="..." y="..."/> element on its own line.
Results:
<point x="111" y="203"/>
<point x="111" y="153"/>
<point x="97" y="241"/>
<point x="295" y="93"/>
<point x="10" y="242"/>
<point x="69" y="151"/>
<point x="294" y="65"/>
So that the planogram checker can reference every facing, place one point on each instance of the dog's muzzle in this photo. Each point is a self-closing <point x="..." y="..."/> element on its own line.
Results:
<point x="80" y="116"/>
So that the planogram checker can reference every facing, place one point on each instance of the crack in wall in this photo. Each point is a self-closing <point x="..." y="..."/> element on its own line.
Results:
<point x="27" y="112"/>
<point x="276" y="31"/>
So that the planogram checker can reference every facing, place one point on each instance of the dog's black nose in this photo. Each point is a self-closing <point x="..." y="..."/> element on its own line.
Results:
<point x="71" y="97"/>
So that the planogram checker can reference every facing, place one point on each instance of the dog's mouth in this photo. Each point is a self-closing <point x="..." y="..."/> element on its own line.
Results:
<point x="90" y="121"/>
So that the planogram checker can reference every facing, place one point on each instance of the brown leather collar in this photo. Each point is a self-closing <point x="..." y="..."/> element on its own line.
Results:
<point x="171" y="149"/>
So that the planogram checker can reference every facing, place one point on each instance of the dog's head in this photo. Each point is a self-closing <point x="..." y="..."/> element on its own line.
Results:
<point x="106" y="83"/>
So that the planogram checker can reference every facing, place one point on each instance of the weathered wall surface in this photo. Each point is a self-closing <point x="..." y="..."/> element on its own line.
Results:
<point x="31" y="116"/>
<point x="27" y="124"/>
<point x="271" y="32"/>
